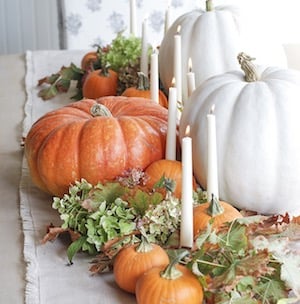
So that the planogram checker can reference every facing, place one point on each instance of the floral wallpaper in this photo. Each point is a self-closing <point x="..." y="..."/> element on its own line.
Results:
<point x="89" y="22"/>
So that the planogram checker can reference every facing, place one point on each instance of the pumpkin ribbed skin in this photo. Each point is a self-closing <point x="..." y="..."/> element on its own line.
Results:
<point x="151" y="288"/>
<point x="258" y="142"/>
<point x="134" y="92"/>
<point x="68" y="144"/>
<point x="212" y="39"/>
<point x="201" y="218"/>
<point x="130" y="264"/>
<point x="97" y="85"/>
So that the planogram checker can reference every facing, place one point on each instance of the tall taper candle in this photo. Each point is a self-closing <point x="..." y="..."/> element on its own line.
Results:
<point x="212" y="163"/>
<point x="154" y="79"/>
<point x="133" y="26"/>
<point x="172" y="123"/>
<point x="186" y="225"/>
<point x="167" y="18"/>
<point x="144" y="55"/>
<point x="190" y="79"/>
<point x="178" y="64"/>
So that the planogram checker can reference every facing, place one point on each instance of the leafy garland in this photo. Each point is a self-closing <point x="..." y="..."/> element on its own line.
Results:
<point x="237" y="264"/>
<point x="234" y="264"/>
<point x="122" y="56"/>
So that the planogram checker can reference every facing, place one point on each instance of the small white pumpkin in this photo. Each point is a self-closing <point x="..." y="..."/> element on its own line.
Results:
<point x="258" y="136"/>
<point x="212" y="38"/>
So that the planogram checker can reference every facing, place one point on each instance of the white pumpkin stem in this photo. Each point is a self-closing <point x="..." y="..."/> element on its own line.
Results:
<point x="209" y="6"/>
<point x="100" y="110"/>
<point x="248" y="67"/>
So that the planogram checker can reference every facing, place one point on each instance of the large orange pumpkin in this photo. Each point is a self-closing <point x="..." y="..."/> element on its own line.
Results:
<point x="70" y="143"/>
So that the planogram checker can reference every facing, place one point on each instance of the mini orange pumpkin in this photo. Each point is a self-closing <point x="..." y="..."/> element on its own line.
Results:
<point x="71" y="143"/>
<point x="88" y="60"/>
<point x="132" y="261"/>
<point x="174" y="284"/>
<point x="220" y="211"/>
<point x="100" y="83"/>
<point x="169" y="169"/>
<point x="143" y="90"/>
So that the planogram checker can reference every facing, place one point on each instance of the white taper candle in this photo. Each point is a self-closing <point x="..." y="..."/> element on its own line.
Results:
<point x="186" y="226"/>
<point x="212" y="163"/>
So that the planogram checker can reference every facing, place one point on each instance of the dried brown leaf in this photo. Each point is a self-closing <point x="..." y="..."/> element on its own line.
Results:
<point x="53" y="233"/>
<point x="101" y="263"/>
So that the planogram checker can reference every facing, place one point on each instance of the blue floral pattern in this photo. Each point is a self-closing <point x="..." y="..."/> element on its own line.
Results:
<point x="73" y="24"/>
<point x="91" y="22"/>
<point x="156" y="21"/>
<point x="94" y="5"/>
<point x="117" y="22"/>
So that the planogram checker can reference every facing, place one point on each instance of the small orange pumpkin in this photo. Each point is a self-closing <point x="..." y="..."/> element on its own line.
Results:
<point x="174" y="284"/>
<point x="220" y="211"/>
<point x="132" y="261"/>
<point x="88" y="60"/>
<point x="143" y="90"/>
<point x="99" y="83"/>
<point x="170" y="169"/>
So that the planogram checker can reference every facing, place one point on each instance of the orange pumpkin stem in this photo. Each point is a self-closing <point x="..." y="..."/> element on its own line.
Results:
<point x="100" y="110"/>
<point x="214" y="208"/>
<point x="143" y="83"/>
<point x="145" y="245"/>
<point x="104" y="70"/>
<point x="171" y="272"/>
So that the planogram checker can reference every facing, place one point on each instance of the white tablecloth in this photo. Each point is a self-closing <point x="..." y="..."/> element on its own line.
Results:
<point x="44" y="277"/>
<point x="49" y="279"/>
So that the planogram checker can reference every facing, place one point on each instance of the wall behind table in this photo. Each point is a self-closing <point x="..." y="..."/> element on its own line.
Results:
<point x="39" y="24"/>
<point x="87" y="22"/>
<point x="28" y="25"/>
<point x="90" y="22"/>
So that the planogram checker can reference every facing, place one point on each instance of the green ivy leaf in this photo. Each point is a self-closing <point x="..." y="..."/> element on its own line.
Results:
<point x="63" y="85"/>
<point x="71" y="72"/>
<point x="48" y="93"/>
<point x="108" y="192"/>
<point x="236" y="238"/>
<point x="271" y="289"/>
<point x="140" y="201"/>
<point x="75" y="247"/>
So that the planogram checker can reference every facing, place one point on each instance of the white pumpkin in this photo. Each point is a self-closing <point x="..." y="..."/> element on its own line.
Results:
<point x="258" y="137"/>
<point x="212" y="39"/>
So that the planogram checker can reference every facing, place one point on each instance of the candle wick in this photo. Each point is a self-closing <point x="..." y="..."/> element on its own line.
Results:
<point x="212" y="110"/>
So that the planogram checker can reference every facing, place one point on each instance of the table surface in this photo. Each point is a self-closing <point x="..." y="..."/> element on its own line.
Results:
<point x="13" y="265"/>
<point x="12" y="99"/>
